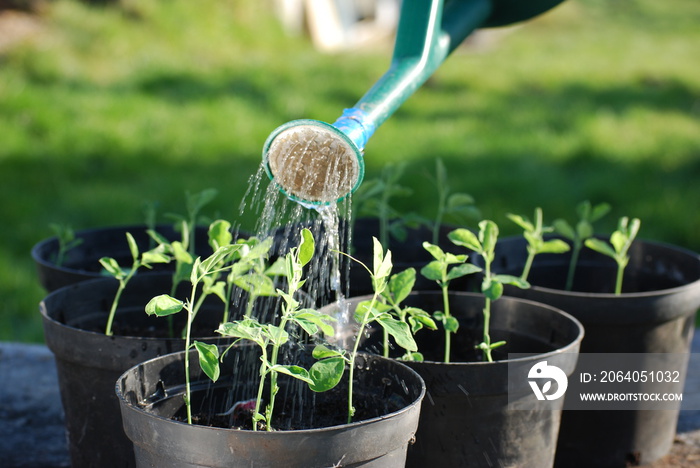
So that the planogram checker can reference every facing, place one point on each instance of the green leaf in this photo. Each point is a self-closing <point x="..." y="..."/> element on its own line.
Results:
<point x="584" y="229"/>
<point x="306" y="247"/>
<point x="600" y="246"/>
<point x="154" y="256"/>
<point x="511" y="280"/>
<point x="218" y="288"/>
<point x="277" y="268"/>
<point x="462" y="270"/>
<point x="319" y="319"/>
<point x="220" y="234"/>
<point x="382" y="263"/>
<point x="400" y="331"/>
<point x="401" y="284"/>
<point x="432" y="271"/>
<point x="522" y="222"/>
<point x="599" y="211"/>
<point x="219" y="256"/>
<point x="618" y="241"/>
<point x="451" y="324"/>
<point x="133" y="247"/>
<point x="261" y="285"/>
<point x="294" y="371"/>
<point x="164" y="305"/>
<point x="554" y="246"/>
<point x="419" y="316"/>
<point x="458" y="200"/>
<point x="563" y="228"/>
<point x="465" y="238"/>
<point x="488" y="234"/>
<point x="492" y="289"/>
<point x="208" y="359"/>
<point x="247" y="329"/>
<point x="434" y="250"/>
<point x="112" y="267"/>
<point x="326" y="373"/>
<point x="323" y="352"/>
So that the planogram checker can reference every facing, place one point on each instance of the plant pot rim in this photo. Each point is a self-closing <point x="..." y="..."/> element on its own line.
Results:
<point x="630" y="294"/>
<point x="87" y="285"/>
<point x="279" y="433"/>
<point x="569" y="348"/>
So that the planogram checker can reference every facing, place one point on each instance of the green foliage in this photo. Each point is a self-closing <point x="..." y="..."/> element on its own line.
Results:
<point x="492" y="284"/>
<point x="620" y="242"/>
<point x="323" y="374"/>
<point x="455" y="204"/>
<point x="375" y="311"/>
<point x="534" y="234"/>
<point x="66" y="241"/>
<point x="123" y="275"/>
<point x="444" y="268"/>
<point x="578" y="234"/>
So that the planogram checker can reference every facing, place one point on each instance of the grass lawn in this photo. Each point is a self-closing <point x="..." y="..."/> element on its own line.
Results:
<point x="106" y="109"/>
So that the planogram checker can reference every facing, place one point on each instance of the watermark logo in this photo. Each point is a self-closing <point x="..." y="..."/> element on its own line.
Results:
<point x="547" y="374"/>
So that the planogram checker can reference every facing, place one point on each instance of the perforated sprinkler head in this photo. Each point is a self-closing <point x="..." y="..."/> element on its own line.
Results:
<point x="313" y="162"/>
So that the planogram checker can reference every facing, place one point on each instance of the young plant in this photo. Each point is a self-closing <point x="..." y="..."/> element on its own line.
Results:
<point x="492" y="284"/>
<point x="66" y="241"/>
<point x="620" y="242"/>
<point x="205" y="273"/>
<point x="460" y="205"/>
<point x="374" y="199"/>
<point x="373" y="311"/>
<point x="396" y="291"/>
<point x="145" y="259"/>
<point x="534" y="234"/>
<point x="324" y="374"/>
<point x="587" y="215"/>
<point x="444" y="268"/>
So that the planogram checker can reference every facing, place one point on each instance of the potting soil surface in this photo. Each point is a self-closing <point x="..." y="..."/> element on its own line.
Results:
<point x="32" y="433"/>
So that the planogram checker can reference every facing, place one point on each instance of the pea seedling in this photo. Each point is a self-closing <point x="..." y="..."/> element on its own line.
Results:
<point x="145" y="259"/>
<point x="492" y="284"/>
<point x="66" y="241"/>
<point x="373" y="311"/>
<point x="587" y="214"/>
<point x="444" y="268"/>
<point x="460" y="205"/>
<point x="534" y="234"/>
<point x="323" y="375"/>
<point x="620" y="242"/>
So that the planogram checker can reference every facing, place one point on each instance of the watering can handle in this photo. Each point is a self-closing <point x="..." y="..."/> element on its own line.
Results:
<point x="427" y="33"/>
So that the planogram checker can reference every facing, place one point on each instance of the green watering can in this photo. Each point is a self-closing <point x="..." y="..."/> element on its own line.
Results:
<point x="316" y="163"/>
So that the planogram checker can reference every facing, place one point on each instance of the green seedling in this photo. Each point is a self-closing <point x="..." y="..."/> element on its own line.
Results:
<point x="66" y="241"/>
<point x="373" y="198"/>
<point x="323" y="374"/>
<point x="374" y="311"/>
<point x="587" y="215"/>
<point x="620" y="242"/>
<point x="534" y="234"/>
<point x="396" y="291"/>
<point x="205" y="273"/>
<point x="444" y="268"/>
<point x="492" y="284"/>
<point x="112" y="267"/>
<point x="457" y="205"/>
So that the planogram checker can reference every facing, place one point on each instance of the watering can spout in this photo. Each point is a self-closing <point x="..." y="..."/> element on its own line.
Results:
<point x="318" y="163"/>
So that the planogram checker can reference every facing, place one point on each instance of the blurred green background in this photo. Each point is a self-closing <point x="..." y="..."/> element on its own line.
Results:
<point x="104" y="108"/>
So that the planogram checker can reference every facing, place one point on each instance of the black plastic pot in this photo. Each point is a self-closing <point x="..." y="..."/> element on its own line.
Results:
<point x="465" y="420"/>
<point x="89" y="362"/>
<point x="151" y="396"/>
<point x="82" y="262"/>
<point x="654" y="314"/>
